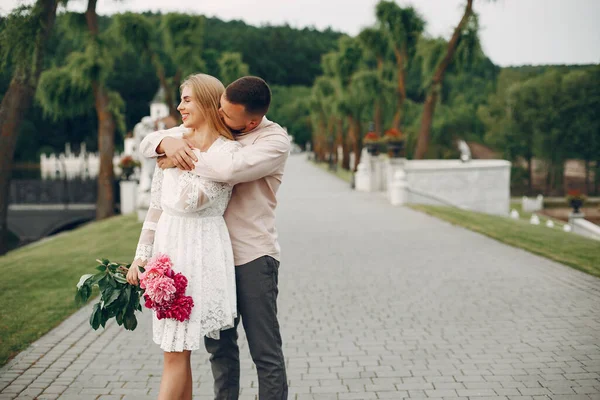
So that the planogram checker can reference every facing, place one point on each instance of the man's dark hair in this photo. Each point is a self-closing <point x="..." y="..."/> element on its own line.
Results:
<point x="252" y="92"/>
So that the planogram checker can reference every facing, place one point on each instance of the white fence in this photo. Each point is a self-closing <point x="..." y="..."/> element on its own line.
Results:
<point x="69" y="166"/>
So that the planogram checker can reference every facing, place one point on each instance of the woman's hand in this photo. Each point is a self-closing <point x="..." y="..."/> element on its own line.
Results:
<point x="134" y="271"/>
<point x="165" y="162"/>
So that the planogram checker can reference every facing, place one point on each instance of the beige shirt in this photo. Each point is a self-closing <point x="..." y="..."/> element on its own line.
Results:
<point x="256" y="171"/>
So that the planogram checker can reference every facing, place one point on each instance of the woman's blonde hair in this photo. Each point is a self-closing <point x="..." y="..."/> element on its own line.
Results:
<point x="207" y="91"/>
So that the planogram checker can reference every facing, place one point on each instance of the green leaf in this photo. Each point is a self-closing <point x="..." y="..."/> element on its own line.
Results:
<point x="130" y="321"/>
<point x="103" y="283"/>
<point x="103" y="317"/>
<point x="95" y="317"/>
<point x="114" y="295"/>
<point x="105" y="261"/>
<point x="83" y="294"/>
<point x="120" y="278"/>
<point x="107" y="294"/>
<point x="112" y="281"/>
<point x="78" y="298"/>
<point x="83" y="279"/>
<point x="101" y="267"/>
<point x="127" y="295"/>
<point x="96" y="278"/>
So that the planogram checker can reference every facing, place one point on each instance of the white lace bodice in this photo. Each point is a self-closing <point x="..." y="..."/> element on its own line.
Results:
<point x="184" y="193"/>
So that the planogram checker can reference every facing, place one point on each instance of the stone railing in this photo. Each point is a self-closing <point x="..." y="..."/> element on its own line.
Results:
<point x="478" y="185"/>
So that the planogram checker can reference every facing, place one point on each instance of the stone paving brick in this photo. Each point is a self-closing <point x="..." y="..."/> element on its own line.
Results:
<point x="367" y="311"/>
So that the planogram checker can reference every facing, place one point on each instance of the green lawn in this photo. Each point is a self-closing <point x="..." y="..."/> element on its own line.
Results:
<point x="37" y="288"/>
<point x="567" y="248"/>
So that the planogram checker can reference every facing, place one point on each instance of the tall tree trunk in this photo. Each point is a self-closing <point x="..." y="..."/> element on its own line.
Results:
<point x="401" y="89"/>
<point x="377" y="113"/>
<point x="597" y="177"/>
<point x="436" y="83"/>
<point x="345" y="147"/>
<point x="356" y="140"/>
<point x="548" y="179"/>
<point x="106" y="132"/>
<point x="529" y="175"/>
<point x="15" y="104"/>
<point x="164" y="84"/>
<point x="339" y="140"/>
<point x="587" y="178"/>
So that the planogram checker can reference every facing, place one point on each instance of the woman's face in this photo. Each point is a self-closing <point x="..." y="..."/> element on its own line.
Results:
<point x="189" y="109"/>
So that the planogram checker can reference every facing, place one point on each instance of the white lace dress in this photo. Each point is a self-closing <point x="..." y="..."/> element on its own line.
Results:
<point x="185" y="221"/>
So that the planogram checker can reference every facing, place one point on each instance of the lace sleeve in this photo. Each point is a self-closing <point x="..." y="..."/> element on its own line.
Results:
<point x="196" y="193"/>
<point x="146" y="242"/>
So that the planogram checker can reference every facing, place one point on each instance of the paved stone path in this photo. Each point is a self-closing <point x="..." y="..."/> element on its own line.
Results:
<point x="376" y="302"/>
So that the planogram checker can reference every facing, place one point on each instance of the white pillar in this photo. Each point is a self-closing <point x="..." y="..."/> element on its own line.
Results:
<point x="364" y="177"/>
<point x="398" y="188"/>
<point x="128" y="196"/>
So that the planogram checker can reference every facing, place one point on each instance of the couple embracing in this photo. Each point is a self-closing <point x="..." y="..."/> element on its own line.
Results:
<point x="212" y="211"/>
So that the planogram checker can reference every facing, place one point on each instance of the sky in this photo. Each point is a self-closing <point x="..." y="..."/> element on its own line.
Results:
<point x="514" y="32"/>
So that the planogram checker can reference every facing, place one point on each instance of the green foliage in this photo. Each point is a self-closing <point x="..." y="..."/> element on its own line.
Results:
<point x="288" y="56"/>
<point x="231" y="67"/>
<point x="62" y="96"/>
<point x="375" y="41"/>
<point x="137" y="30"/>
<point x="18" y="34"/>
<point x="349" y="59"/>
<point x="290" y="108"/>
<point x="183" y="39"/>
<point x="405" y="25"/>
<point x="118" y="299"/>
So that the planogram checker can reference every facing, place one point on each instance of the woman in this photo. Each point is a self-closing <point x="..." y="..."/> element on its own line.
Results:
<point x="185" y="221"/>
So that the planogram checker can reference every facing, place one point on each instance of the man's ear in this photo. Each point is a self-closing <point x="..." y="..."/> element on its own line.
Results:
<point x="255" y="123"/>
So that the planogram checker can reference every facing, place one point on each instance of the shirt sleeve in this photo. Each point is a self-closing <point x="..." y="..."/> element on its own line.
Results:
<point x="146" y="242"/>
<point x="252" y="162"/>
<point x="149" y="144"/>
<point x="194" y="192"/>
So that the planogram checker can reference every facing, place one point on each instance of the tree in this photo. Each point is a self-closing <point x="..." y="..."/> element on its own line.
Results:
<point x="436" y="82"/>
<point x="65" y="92"/>
<point x="23" y="40"/>
<point x="175" y="48"/>
<point x="346" y="62"/>
<point x="404" y="26"/>
<point x="580" y="105"/>
<point x="322" y="106"/>
<point x="231" y="67"/>
<point x="376" y="42"/>
<point x="365" y="85"/>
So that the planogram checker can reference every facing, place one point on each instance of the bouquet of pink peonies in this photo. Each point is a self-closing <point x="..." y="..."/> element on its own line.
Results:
<point x="162" y="289"/>
<point x="165" y="289"/>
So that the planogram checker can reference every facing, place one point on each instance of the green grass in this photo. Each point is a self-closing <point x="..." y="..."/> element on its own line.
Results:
<point x="341" y="173"/>
<point x="567" y="248"/>
<point x="37" y="288"/>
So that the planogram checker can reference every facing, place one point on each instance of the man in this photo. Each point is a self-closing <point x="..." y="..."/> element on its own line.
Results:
<point x="256" y="171"/>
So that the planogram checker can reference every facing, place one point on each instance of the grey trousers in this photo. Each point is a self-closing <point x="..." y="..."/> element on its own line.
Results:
<point x="257" y="305"/>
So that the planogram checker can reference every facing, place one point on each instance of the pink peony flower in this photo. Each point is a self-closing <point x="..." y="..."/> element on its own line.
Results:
<point x="180" y="308"/>
<point x="158" y="265"/>
<point x="181" y="283"/>
<point x="160" y="289"/>
<point x="165" y="289"/>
